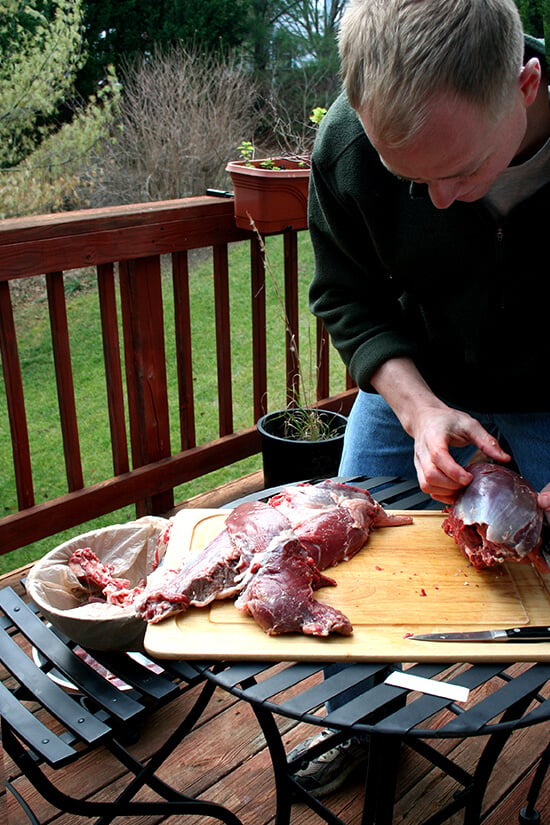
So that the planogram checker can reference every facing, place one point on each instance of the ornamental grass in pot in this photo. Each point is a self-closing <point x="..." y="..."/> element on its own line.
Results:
<point x="301" y="441"/>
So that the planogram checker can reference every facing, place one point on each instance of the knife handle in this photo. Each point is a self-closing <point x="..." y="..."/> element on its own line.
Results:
<point x="528" y="632"/>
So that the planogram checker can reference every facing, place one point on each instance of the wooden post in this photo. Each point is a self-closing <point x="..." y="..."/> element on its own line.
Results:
<point x="143" y="323"/>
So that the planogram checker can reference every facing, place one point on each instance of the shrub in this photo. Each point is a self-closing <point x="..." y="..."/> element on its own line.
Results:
<point x="182" y="115"/>
<point x="55" y="176"/>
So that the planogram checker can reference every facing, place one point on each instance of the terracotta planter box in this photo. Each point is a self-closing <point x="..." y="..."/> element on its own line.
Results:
<point x="274" y="198"/>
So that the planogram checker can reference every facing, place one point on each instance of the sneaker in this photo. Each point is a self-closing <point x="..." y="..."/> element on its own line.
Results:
<point x="321" y="775"/>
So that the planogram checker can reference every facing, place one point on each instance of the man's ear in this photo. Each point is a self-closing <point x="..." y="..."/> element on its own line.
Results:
<point x="529" y="80"/>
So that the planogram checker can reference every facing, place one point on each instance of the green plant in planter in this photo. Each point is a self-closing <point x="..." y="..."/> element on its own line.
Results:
<point x="300" y="443"/>
<point x="273" y="190"/>
<point x="306" y="424"/>
<point x="247" y="149"/>
<point x="317" y="115"/>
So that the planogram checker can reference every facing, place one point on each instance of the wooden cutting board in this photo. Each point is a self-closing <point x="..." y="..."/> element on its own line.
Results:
<point x="405" y="580"/>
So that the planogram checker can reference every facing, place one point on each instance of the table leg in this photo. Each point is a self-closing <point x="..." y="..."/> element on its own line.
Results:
<point x="287" y="791"/>
<point x="487" y="761"/>
<point x="529" y="814"/>
<point x="3" y="801"/>
<point x="283" y="797"/>
<point x="381" y="779"/>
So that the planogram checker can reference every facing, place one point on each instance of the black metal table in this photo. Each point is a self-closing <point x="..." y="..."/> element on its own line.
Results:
<point x="390" y="715"/>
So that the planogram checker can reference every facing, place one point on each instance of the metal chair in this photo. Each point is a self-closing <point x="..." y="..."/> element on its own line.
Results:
<point x="46" y="728"/>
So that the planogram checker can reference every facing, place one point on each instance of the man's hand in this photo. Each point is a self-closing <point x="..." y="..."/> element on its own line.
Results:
<point x="435" y="427"/>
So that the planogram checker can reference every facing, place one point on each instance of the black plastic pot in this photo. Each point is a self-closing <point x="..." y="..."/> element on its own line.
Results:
<point x="289" y="459"/>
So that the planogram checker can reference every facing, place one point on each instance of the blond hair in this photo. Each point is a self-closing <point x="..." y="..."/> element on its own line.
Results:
<point x="396" y="54"/>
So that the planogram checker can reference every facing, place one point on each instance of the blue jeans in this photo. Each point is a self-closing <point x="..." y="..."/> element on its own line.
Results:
<point x="376" y="444"/>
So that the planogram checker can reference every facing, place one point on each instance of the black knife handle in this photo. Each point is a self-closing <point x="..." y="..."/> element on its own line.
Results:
<point x="528" y="632"/>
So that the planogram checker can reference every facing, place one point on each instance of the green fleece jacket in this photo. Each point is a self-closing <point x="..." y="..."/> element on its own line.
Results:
<point x="462" y="293"/>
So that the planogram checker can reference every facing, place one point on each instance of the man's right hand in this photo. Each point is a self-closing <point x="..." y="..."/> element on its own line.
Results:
<point x="435" y="427"/>
<point x="435" y="430"/>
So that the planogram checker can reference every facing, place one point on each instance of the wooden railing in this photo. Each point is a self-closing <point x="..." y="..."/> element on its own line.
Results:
<point x="124" y="246"/>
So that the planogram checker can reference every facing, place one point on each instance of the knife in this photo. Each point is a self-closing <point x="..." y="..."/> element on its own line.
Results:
<point x="512" y="634"/>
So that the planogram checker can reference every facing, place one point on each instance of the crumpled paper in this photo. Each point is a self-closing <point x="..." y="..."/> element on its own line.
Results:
<point x="131" y="548"/>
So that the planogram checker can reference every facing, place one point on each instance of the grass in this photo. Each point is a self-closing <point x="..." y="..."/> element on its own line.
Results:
<point x="34" y="341"/>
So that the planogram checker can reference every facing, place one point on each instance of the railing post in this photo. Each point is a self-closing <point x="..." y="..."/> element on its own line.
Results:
<point x="113" y="367"/>
<point x="184" y="349"/>
<point x="323" y="369"/>
<point x="15" y="401"/>
<point x="223" y="339"/>
<point x="143" y="323"/>
<point x="64" y="379"/>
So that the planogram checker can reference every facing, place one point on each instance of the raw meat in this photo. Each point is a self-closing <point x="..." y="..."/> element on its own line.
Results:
<point x="496" y="518"/>
<point x="99" y="579"/>
<point x="218" y="571"/>
<point x="91" y="571"/>
<point x="280" y="596"/>
<point x="331" y="519"/>
<point x="275" y="553"/>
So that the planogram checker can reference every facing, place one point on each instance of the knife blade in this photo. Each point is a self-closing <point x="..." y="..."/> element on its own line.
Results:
<point x="511" y="634"/>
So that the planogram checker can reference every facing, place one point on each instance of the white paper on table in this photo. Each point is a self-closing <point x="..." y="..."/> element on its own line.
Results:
<point x="399" y="678"/>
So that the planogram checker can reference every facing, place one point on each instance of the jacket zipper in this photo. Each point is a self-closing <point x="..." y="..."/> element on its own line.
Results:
<point x="499" y="259"/>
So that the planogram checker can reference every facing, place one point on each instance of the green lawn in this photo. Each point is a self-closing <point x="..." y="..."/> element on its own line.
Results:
<point x="87" y="356"/>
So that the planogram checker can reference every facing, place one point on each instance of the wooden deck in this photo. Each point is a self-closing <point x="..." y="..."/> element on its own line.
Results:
<point x="225" y="760"/>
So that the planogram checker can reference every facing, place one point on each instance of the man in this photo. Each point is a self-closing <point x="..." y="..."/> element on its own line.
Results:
<point x="429" y="201"/>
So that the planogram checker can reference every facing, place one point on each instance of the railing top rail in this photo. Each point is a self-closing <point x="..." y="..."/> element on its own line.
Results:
<point x="49" y="243"/>
<point x="123" y="215"/>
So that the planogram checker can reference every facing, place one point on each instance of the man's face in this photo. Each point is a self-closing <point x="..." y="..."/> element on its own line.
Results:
<point x="460" y="151"/>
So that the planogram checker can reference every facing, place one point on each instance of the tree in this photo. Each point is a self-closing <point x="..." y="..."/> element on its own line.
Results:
<point x="314" y="24"/>
<point x="535" y="15"/>
<point x="182" y="115"/>
<point x="289" y="46"/>
<point x="531" y="16"/>
<point x="306" y="27"/>
<point x="40" y="53"/>
<point x="118" y="30"/>
<point x="293" y="50"/>
<point x="45" y="133"/>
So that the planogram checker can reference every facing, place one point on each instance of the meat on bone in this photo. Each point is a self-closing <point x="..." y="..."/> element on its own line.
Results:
<point x="325" y="524"/>
<point x="496" y="518"/>
<point x="220" y="570"/>
<point x="99" y="579"/>
<point x="273" y="554"/>
<point x="279" y="597"/>
<point x="332" y="520"/>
